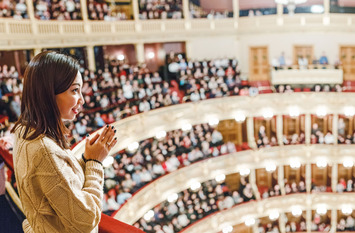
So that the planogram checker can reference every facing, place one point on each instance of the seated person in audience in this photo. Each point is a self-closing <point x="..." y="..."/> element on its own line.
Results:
<point x="302" y="62"/>
<point x="323" y="60"/>
<point x="282" y="60"/>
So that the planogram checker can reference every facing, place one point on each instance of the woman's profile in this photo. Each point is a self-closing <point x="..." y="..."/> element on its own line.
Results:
<point x="59" y="193"/>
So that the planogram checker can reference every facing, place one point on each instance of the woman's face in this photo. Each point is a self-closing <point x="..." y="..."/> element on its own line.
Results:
<point x="70" y="101"/>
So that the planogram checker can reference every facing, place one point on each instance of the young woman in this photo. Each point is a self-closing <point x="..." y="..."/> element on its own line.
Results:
<point x="59" y="193"/>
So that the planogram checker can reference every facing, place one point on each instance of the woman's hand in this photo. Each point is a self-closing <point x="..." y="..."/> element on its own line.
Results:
<point x="100" y="145"/>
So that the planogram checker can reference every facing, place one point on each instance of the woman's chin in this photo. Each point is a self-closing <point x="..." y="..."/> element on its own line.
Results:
<point x="69" y="118"/>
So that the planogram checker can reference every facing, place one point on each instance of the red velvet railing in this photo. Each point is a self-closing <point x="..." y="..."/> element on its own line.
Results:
<point x="107" y="223"/>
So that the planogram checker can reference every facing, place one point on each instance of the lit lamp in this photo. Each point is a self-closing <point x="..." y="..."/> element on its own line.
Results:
<point x="291" y="4"/>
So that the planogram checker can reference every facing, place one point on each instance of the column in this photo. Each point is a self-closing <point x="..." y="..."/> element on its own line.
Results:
<point x="30" y="10"/>
<point x="84" y="10"/>
<point x="135" y="9"/>
<point x="282" y="222"/>
<point x="250" y="132"/>
<point x="185" y="9"/>
<point x="280" y="179"/>
<point x="279" y="129"/>
<point x="280" y="9"/>
<point x="308" y="129"/>
<point x="31" y="16"/>
<point x="335" y="128"/>
<point x="333" y="220"/>
<point x="140" y="52"/>
<point x="239" y="133"/>
<point x="308" y="177"/>
<point x="255" y="227"/>
<point x="252" y="181"/>
<point x="309" y="220"/>
<point x="351" y="125"/>
<point x="91" y="57"/>
<point x="334" y="177"/>
<point x="235" y="9"/>
<point x="188" y="48"/>
<point x="326" y="6"/>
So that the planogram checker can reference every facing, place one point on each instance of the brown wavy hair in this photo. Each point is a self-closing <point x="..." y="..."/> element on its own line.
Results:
<point x="47" y="75"/>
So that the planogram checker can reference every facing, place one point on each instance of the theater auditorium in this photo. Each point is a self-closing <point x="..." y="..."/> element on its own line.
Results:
<point x="232" y="116"/>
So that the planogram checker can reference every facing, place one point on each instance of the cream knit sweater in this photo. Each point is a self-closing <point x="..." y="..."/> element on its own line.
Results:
<point x="59" y="193"/>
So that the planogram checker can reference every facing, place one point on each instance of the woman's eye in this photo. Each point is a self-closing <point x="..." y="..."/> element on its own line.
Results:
<point x="76" y="90"/>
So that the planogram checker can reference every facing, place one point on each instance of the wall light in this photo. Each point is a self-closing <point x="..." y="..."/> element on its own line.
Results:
<point x="120" y="57"/>
<point x="321" y="210"/>
<point x="268" y="113"/>
<point x="227" y="229"/>
<point x="296" y="211"/>
<point x="294" y="111"/>
<point x="240" y="117"/>
<point x="213" y="121"/>
<point x="133" y="146"/>
<point x="274" y="215"/>
<point x="295" y="164"/>
<point x="250" y="222"/>
<point x="194" y="186"/>
<point x="346" y="209"/>
<point x="149" y="215"/>
<point x="108" y="161"/>
<point x="270" y="167"/>
<point x="221" y="177"/>
<point x="244" y="171"/>
<point x="321" y="163"/>
<point x="172" y="197"/>
<point x="348" y="163"/>
<point x="321" y="111"/>
<point x="186" y="127"/>
<point x="161" y="134"/>
<point x="349" y="111"/>
<point x="151" y="55"/>
<point x="317" y="9"/>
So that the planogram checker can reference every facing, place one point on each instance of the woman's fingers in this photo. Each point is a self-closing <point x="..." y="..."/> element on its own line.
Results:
<point x="104" y="132"/>
<point x="113" y="143"/>
<point x="93" y="140"/>
<point x="109" y="136"/>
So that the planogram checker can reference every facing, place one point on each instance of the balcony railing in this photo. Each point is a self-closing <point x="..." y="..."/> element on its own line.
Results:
<point x="146" y="125"/>
<point x="159" y="190"/>
<point x="23" y="34"/>
<point x="307" y="202"/>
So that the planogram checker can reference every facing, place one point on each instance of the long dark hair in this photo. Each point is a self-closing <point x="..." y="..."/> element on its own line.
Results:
<point x="47" y="75"/>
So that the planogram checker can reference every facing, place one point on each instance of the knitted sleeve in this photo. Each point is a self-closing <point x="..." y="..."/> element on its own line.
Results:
<point x="77" y="205"/>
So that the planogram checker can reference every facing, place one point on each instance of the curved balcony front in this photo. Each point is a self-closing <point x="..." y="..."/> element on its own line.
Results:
<point x="28" y="34"/>
<point x="147" y="125"/>
<point x="256" y="210"/>
<point x="160" y="189"/>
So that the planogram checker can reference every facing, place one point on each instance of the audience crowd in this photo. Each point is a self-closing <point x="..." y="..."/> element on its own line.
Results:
<point x="271" y="227"/>
<point x="317" y="136"/>
<point x="345" y="186"/>
<point x="57" y="9"/>
<point x="346" y="223"/>
<point x="160" y="9"/>
<point x="292" y="226"/>
<point x="16" y="9"/>
<point x="197" y="14"/>
<point x="262" y="140"/>
<point x="191" y="206"/>
<point x="120" y="90"/>
<point x="103" y="10"/>
<point x="320" y="223"/>
<point x="156" y="157"/>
